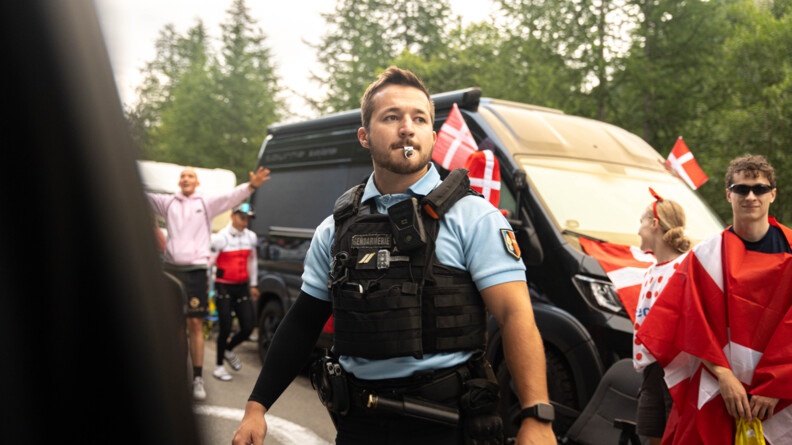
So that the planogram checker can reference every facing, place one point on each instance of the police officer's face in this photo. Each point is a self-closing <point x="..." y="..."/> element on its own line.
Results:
<point x="401" y="118"/>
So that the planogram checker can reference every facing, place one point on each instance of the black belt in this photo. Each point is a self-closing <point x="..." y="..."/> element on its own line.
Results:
<point x="439" y="386"/>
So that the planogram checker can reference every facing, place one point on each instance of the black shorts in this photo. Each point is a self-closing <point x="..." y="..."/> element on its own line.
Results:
<point x="654" y="402"/>
<point x="196" y="286"/>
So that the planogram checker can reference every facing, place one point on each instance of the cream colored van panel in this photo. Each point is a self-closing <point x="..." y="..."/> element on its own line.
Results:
<point x="591" y="177"/>
<point x="546" y="132"/>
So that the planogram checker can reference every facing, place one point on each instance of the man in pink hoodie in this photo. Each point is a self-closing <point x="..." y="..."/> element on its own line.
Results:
<point x="188" y="218"/>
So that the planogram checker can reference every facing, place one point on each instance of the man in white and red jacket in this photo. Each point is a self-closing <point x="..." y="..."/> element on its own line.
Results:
<point x="188" y="218"/>
<point x="235" y="285"/>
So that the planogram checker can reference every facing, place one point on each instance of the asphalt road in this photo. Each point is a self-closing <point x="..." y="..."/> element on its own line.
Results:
<point x="297" y="418"/>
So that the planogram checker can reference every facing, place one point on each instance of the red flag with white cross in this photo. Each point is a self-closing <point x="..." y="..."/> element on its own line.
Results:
<point x="484" y="173"/>
<point x="625" y="266"/>
<point x="454" y="142"/>
<point x="683" y="163"/>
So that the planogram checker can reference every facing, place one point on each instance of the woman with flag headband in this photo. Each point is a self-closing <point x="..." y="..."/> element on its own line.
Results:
<point x="662" y="232"/>
<point x="721" y="326"/>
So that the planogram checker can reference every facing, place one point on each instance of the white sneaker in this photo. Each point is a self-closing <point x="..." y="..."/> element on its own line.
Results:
<point x="221" y="373"/>
<point x="199" y="393"/>
<point x="232" y="360"/>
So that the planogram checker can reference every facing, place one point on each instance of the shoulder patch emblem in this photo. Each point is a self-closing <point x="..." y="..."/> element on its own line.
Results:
<point x="510" y="243"/>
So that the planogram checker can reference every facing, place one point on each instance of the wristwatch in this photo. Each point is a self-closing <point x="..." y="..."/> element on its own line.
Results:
<point x="544" y="412"/>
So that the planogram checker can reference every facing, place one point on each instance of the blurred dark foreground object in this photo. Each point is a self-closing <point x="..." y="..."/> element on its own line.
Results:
<point x="92" y="331"/>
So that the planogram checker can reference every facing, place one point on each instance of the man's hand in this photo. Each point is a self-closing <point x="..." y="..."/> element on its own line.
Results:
<point x="762" y="407"/>
<point x="253" y="427"/>
<point x="254" y="293"/>
<point x="732" y="390"/>
<point x="261" y="176"/>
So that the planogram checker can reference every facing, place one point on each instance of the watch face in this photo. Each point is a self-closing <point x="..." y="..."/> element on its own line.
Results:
<point x="545" y="411"/>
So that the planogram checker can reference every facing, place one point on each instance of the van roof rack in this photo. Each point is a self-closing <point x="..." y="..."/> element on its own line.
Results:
<point x="467" y="99"/>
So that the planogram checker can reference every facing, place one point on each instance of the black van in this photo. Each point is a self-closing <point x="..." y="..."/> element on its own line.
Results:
<point x="562" y="177"/>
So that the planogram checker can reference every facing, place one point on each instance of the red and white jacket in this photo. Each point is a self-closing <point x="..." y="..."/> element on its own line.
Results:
<point x="234" y="254"/>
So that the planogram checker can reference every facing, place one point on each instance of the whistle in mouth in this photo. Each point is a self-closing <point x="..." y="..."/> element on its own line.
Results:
<point x="408" y="151"/>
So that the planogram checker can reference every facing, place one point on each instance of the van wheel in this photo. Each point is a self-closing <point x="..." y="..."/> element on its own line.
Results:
<point x="269" y="319"/>
<point x="560" y="387"/>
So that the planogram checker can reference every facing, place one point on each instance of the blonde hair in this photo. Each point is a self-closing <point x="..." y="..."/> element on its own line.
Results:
<point x="671" y="217"/>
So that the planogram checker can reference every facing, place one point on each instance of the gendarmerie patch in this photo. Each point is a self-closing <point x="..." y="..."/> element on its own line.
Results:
<point x="372" y="241"/>
<point x="510" y="243"/>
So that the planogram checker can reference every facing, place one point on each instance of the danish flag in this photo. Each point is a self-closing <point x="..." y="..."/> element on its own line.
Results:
<point x="484" y="173"/>
<point x="681" y="160"/>
<point x="624" y="265"/>
<point x="454" y="142"/>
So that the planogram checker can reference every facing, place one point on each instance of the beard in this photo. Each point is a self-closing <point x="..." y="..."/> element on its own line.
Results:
<point x="395" y="162"/>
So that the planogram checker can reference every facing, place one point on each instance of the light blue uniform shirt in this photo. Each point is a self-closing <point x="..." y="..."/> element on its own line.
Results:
<point x="469" y="238"/>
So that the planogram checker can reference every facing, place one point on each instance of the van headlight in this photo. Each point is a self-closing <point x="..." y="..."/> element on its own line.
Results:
<point x="599" y="294"/>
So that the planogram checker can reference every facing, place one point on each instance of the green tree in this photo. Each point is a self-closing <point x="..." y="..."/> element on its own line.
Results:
<point x="175" y="57"/>
<point x="248" y="89"/>
<point x="187" y="133"/>
<point x="198" y="108"/>
<point x="502" y="65"/>
<point x="666" y="81"/>
<point x="756" y="115"/>
<point x="365" y="36"/>
<point x="582" y="40"/>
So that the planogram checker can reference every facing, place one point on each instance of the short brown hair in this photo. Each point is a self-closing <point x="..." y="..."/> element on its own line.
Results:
<point x="391" y="76"/>
<point x="751" y="166"/>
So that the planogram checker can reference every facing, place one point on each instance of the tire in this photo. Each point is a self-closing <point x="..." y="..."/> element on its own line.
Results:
<point x="269" y="320"/>
<point x="560" y="387"/>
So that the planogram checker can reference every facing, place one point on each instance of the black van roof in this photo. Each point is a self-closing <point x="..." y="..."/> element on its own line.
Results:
<point x="467" y="99"/>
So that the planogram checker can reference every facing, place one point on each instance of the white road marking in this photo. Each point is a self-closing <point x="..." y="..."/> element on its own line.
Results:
<point x="285" y="432"/>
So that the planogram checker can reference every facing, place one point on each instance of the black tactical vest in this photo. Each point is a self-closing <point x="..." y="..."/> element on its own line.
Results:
<point x="391" y="297"/>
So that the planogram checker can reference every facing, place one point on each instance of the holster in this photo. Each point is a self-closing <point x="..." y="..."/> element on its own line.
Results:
<point x="330" y="382"/>
<point x="478" y="405"/>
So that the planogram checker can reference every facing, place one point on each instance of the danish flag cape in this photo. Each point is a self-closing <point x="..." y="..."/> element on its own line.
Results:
<point x="732" y="307"/>
<point x="454" y="142"/>
<point x="624" y="265"/>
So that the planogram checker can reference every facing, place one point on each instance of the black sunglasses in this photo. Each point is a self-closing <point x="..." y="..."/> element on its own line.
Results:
<point x="757" y="189"/>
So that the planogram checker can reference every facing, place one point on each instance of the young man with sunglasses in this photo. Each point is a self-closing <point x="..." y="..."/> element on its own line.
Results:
<point x="722" y="325"/>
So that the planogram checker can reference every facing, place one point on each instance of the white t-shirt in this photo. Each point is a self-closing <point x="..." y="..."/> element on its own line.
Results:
<point x="654" y="281"/>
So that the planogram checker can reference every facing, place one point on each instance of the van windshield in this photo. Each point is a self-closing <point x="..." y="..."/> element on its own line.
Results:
<point x="606" y="201"/>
